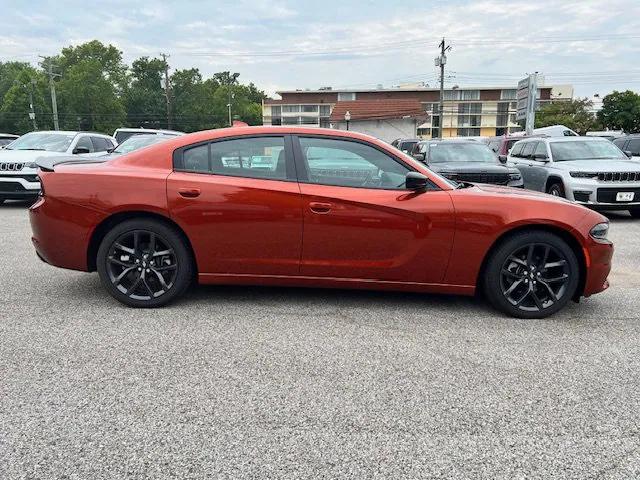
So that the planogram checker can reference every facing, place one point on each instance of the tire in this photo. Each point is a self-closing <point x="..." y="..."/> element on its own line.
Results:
<point x="556" y="189"/>
<point x="635" y="212"/>
<point x="540" y="291"/>
<point x="144" y="263"/>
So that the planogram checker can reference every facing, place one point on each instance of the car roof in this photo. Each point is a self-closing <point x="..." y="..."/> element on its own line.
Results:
<point x="568" y="139"/>
<point x="71" y="132"/>
<point x="8" y="135"/>
<point x="152" y="131"/>
<point x="453" y="140"/>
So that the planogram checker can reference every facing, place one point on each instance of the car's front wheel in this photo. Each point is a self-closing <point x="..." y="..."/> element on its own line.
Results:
<point x="531" y="275"/>
<point x="144" y="263"/>
<point x="556" y="189"/>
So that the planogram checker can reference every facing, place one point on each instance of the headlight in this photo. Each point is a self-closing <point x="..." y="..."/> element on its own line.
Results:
<point x="600" y="231"/>
<point x="584" y="175"/>
<point x="31" y="165"/>
<point x="515" y="176"/>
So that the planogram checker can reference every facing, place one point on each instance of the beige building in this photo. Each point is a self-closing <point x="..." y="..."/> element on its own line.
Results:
<point x="478" y="111"/>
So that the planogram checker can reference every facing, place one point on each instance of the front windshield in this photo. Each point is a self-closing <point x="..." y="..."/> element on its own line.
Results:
<point x="585" y="150"/>
<point x="50" y="142"/>
<point x="137" y="141"/>
<point x="460" y="152"/>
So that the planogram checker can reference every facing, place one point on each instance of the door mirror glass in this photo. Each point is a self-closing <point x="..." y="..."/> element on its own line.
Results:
<point x="419" y="156"/>
<point x="416" y="181"/>
<point x="502" y="158"/>
<point x="541" y="157"/>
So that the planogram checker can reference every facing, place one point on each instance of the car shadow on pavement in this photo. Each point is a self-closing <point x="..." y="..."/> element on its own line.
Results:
<point x="17" y="204"/>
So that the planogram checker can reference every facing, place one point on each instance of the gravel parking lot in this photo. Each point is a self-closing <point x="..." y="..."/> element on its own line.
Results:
<point x="292" y="383"/>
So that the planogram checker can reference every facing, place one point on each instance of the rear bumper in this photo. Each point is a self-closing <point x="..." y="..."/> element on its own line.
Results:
<point x="57" y="240"/>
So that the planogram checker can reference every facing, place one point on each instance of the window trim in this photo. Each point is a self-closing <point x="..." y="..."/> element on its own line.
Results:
<point x="178" y="160"/>
<point x="303" y="174"/>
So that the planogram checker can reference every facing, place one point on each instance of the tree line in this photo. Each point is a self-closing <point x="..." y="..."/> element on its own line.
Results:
<point x="97" y="91"/>
<point x="620" y="111"/>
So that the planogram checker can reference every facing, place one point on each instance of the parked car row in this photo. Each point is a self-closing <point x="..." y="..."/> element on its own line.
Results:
<point x="593" y="170"/>
<point x="18" y="168"/>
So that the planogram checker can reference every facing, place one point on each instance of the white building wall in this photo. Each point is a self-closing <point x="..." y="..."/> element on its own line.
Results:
<point x="385" y="130"/>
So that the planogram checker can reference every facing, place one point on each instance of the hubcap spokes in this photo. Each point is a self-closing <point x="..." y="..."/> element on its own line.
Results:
<point x="534" y="277"/>
<point x="142" y="265"/>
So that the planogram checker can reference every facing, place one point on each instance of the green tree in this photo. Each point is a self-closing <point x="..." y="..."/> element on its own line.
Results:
<point x="88" y="99"/>
<point x="193" y="105"/>
<point x="144" y="98"/>
<point x="621" y="110"/>
<point x="16" y="82"/>
<point x="108" y="57"/>
<point x="576" y="114"/>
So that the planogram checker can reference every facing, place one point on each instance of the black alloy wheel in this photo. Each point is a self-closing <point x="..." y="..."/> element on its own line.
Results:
<point x="532" y="275"/>
<point x="144" y="263"/>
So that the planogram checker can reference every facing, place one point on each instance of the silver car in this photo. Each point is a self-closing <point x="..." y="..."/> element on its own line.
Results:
<point x="587" y="170"/>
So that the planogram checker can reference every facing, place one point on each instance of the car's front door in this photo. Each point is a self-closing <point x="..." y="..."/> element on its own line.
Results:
<point x="239" y="203"/>
<point x="359" y="220"/>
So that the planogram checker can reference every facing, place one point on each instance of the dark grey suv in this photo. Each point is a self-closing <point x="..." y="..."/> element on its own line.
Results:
<point x="467" y="161"/>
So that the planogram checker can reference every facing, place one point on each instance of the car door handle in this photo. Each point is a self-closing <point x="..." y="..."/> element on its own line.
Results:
<point x="189" y="192"/>
<point x="319" y="207"/>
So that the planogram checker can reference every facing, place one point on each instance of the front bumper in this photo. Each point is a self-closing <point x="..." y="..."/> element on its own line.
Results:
<point x="585" y="192"/>
<point x="19" y="186"/>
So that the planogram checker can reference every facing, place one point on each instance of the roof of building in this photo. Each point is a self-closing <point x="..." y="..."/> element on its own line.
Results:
<point x="378" y="109"/>
<point x="405" y="89"/>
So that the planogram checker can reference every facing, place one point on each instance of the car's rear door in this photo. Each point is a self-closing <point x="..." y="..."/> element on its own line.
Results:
<point x="359" y="220"/>
<point x="524" y="164"/>
<point x="239" y="202"/>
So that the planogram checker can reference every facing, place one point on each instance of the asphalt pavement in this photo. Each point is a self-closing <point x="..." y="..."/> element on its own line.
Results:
<point x="246" y="382"/>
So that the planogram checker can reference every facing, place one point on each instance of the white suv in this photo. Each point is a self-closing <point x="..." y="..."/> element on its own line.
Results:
<point x="18" y="170"/>
<point x="587" y="170"/>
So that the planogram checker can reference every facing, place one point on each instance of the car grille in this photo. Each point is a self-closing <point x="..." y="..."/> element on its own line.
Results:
<point x="11" y="167"/>
<point x="608" y="195"/>
<point x="28" y="178"/>
<point x="619" y="177"/>
<point x="495" y="178"/>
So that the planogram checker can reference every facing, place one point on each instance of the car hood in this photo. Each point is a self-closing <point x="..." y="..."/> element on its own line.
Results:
<point x="520" y="193"/>
<point x="599" y="165"/>
<point x="469" y="167"/>
<point x="24" y="156"/>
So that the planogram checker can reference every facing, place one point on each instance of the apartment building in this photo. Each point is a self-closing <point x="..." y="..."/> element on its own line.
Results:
<point x="478" y="111"/>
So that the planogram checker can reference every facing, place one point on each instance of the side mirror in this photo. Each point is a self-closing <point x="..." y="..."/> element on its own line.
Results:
<point x="541" y="157"/>
<point x="628" y="153"/>
<point x="502" y="158"/>
<point x="80" y="150"/>
<point x="416" y="181"/>
<point x="419" y="156"/>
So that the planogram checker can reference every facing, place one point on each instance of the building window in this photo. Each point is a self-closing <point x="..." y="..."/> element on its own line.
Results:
<point x="468" y="132"/>
<point x="325" y="110"/>
<point x="310" y="108"/>
<point x="290" y="108"/>
<point x="509" y="94"/>
<point x="474" y="108"/>
<point x="276" y="110"/>
<point x="470" y="94"/>
<point x="452" y="94"/>
<point x="346" y="96"/>
<point x="435" y="132"/>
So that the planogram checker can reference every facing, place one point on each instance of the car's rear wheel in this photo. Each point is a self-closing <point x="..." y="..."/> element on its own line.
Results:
<point x="635" y="212"/>
<point x="144" y="263"/>
<point x="531" y="275"/>
<point x="556" y="189"/>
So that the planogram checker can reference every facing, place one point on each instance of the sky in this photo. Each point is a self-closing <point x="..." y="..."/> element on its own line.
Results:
<point x="280" y="44"/>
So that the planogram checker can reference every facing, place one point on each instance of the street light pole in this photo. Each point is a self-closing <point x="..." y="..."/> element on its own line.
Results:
<point x="347" y="118"/>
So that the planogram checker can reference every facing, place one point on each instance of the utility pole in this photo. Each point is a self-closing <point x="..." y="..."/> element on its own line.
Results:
<point x="441" y="61"/>
<point x="52" y="87"/>
<point x="231" y="96"/>
<point x="29" y="89"/>
<point x="167" y="90"/>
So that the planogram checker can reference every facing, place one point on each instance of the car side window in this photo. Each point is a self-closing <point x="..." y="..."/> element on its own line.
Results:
<point x="254" y="157"/>
<point x="350" y="164"/>
<point x="516" y="150"/>
<point x="620" y="143"/>
<point x="101" y="144"/>
<point x="85" y="142"/>
<point x="634" y="146"/>
<point x="527" y="150"/>
<point x="541" y="149"/>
